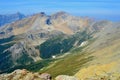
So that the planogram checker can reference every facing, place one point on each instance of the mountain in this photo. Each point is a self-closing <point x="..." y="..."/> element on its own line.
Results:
<point x="105" y="50"/>
<point x="61" y="44"/>
<point x="59" y="22"/>
<point x="8" y="18"/>
<point x="99" y="59"/>
<point x="20" y="41"/>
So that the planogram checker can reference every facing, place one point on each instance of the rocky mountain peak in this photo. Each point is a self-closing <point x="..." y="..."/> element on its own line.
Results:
<point x="40" y="14"/>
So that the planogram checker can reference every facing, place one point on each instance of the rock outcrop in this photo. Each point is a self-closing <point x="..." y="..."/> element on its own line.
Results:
<point x="65" y="77"/>
<point x="25" y="75"/>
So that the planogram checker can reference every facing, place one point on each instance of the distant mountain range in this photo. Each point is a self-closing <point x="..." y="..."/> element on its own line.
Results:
<point x="8" y="18"/>
<point x="60" y="44"/>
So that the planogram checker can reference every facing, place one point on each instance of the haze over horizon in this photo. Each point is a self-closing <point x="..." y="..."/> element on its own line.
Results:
<point x="100" y="9"/>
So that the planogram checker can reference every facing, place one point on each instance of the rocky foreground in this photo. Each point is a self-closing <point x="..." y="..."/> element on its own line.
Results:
<point x="27" y="75"/>
<point x="24" y="75"/>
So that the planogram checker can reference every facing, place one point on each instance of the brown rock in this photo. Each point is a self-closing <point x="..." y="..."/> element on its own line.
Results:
<point x="46" y="76"/>
<point x="65" y="77"/>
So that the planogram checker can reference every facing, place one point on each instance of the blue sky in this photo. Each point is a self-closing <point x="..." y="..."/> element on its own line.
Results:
<point x="102" y="9"/>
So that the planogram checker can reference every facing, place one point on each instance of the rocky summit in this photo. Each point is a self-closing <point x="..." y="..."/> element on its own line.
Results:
<point x="65" y="77"/>
<point x="25" y="75"/>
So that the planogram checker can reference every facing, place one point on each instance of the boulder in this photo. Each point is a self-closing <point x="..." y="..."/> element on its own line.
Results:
<point x="65" y="77"/>
<point x="45" y="76"/>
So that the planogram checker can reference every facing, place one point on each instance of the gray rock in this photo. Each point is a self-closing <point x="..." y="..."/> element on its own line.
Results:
<point x="46" y="76"/>
<point x="65" y="77"/>
<point x="21" y="75"/>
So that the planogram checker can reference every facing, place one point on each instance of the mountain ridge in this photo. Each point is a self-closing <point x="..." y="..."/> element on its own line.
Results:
<point x="8" y="18"/>
<point x="81" y="41"/>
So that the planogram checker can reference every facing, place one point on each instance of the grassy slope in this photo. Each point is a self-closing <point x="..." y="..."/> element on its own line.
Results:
<point x="102" y="56"/>
<point x="68" y="65"/>
<point x="106" y="61"/>
<point x="106" y="52"/>
<point x="72" y="62"/>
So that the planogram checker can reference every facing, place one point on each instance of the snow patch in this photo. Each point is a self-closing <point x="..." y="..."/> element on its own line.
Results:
<point x="84" y="43"/>
<point x="53" y="57"/>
